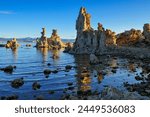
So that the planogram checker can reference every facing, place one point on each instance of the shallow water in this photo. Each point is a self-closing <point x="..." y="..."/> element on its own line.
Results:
<point x="31" y="63"/>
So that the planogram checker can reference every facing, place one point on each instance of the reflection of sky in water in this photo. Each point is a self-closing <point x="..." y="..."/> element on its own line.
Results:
<point x="31" y="62"/>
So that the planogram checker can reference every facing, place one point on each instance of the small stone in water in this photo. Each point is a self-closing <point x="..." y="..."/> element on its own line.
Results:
<point x="47" y="71"/>
<point x="17" y="83"/>
<point x="36" y="86"/>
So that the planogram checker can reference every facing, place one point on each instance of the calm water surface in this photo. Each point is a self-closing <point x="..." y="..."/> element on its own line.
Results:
<point x="31" y="63"/>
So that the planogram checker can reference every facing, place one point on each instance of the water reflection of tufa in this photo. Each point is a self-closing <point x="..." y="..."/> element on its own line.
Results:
<point x="55" y="54"/>
<point x="15" y="53"/>
<point x="44" y="52"/>
<point x="83" y="73"/>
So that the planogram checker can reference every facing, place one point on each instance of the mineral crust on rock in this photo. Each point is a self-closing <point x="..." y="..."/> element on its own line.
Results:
<point x="13" y="44"/>
<point x="89" y="40"/>
<point x="54" y="42"/>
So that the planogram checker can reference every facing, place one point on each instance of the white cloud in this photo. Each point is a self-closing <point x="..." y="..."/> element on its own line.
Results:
<point x="6" y="12"/>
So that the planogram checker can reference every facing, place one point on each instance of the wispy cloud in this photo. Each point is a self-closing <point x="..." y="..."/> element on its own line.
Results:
<point x="6" y="12"/>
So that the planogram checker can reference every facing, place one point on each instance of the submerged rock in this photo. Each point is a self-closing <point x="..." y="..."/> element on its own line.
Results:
<point x="28" y="45"/>
<point x="51" y="92"/>
<point x="12" y="97"/>
<point x="8" y="69"/>
<point x="47" y="71"/>
<point x="36" y="86"/>
<point x="17" y="83"/>
<point x="68" y="67"/>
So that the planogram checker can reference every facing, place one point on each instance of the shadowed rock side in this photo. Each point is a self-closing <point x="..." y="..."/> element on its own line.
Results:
<point x="54" y="42"/>
<point x="105" y="41"/>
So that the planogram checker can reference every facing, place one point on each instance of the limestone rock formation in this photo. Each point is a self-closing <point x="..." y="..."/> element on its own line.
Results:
<point x="110" y="37"/>
<point x="68" y="47"/>
<point x="146" y="32"/>
<point x="42" y="42"/>
<point x="54" y="41"/>
<point x="13" y="44"/>
<point x="128" y="38"/>
<point x="89" y="40"/>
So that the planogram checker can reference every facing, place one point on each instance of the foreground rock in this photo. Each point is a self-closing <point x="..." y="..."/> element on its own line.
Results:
<point x="36" y="86"/>
<point x="17" y="83"/>
<point x="8" y="69"/>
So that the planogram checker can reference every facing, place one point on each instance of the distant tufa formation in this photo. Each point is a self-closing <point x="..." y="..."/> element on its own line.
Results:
<point x="54" y="42"/>
<point x="90" y="41"/>
<point x="13" y="44"/>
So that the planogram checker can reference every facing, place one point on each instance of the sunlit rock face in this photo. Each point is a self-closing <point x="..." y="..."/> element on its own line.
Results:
<point x="129" y="38"/>
<point x="13" y="44"/>
<point x="42" y="42"/>
<point x="89" y="40"/>
<point x="54" y="41"/>
<point x="146" y="32"/>
<point x="110" y="37"/>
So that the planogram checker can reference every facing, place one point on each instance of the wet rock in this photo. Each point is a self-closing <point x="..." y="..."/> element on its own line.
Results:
<point x="111" y="93"/>
<point x="8" y="69"/>
<point x="48" y="64"/>
<point x="70" y="84"/>
<point x="70" y="88"/>
<point x="68" y="67"/>
<point x="17" y="83"/>
<point x="28" y="45"/>
<point x="68" y="47"/>
<point x="40" y="97"/>
<point x="36" y="86"/>
<point x="84" y="93"/>
<point x="55" y="71"/>
<point x="3" y="97"/>
<point x="47" y="71"/>
<point x="138" y="78"/>
<point x="113" y="70"/>
<point x="13" y="97"/>
<point x="51" y="92"/>
<point x="2" y="45"/>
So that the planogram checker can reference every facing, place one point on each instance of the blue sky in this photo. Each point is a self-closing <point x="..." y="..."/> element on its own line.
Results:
<point x="25" y="18"/>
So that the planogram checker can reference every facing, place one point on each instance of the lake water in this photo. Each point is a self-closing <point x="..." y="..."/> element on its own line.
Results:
<point x="31" y="63"/>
